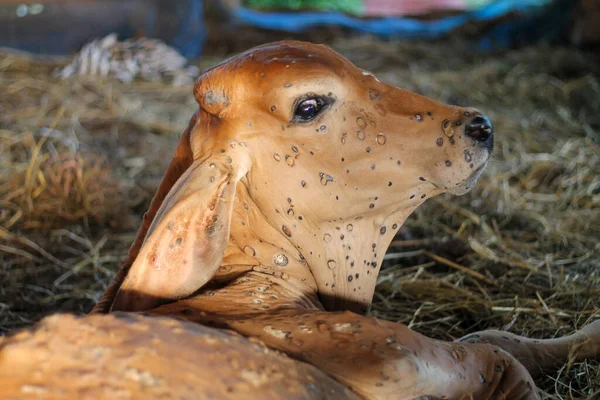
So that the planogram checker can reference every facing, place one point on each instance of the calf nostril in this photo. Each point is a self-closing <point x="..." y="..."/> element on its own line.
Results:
<point x="480" y="128"/>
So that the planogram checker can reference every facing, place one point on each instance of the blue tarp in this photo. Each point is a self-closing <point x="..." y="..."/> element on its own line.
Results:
<point x="405" y="27"/>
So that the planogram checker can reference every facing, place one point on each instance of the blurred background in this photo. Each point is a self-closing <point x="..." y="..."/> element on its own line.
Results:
<point x="63" y="26"/>
<point x="94" y="94"/>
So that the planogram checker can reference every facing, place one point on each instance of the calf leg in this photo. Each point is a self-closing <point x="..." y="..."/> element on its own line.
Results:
<point x="543" y="355"/>
<point x="377" y="359"/>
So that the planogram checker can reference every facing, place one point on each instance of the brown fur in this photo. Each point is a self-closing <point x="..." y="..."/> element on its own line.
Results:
<point x="271" y="228"/>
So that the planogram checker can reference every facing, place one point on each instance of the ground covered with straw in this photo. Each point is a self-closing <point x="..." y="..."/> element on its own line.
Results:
<point x="80" y="160"/>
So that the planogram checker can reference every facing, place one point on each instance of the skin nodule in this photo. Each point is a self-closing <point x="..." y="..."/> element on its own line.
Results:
<point x="328" y="191"/>
<point x="272" y="221"/>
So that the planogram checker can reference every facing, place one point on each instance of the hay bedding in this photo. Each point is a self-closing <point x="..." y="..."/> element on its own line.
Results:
<point x="80" y="160"/>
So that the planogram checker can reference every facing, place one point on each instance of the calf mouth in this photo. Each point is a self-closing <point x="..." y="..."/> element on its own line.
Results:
<point x="470" y="182"/>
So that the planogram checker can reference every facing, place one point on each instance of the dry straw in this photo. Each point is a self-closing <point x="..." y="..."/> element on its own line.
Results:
<point x="79" y="160"/>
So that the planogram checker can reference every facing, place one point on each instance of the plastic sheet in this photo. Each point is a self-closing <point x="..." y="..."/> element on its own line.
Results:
<point x="386" y="26"/>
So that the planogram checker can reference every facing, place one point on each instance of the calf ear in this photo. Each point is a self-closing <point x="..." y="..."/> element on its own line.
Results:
<point x="186" y="241"/>
<point x="184" y="233"/>
<point x="181" y="161"/>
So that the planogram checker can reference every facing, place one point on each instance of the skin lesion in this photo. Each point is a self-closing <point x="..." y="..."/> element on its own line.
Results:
<point x="374" y="156"/>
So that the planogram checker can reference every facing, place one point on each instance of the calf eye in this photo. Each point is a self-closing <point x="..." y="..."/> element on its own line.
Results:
<point x="308" y="108"/>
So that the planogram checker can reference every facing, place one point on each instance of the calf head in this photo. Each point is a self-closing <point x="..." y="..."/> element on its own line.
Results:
<point x="333" y="159"/>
